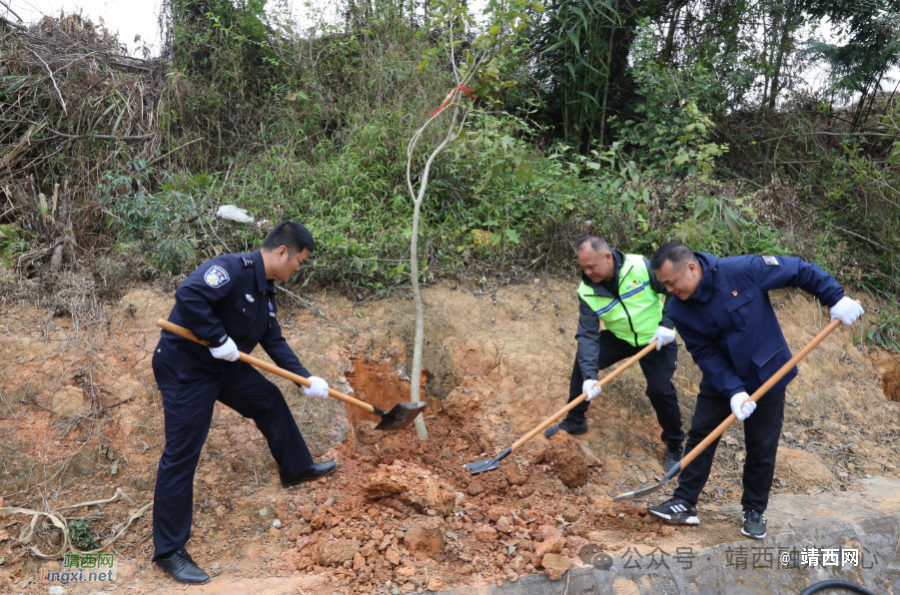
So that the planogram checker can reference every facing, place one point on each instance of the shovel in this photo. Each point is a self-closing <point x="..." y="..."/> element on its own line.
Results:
<point x="494" y="463"/>
<point x="402" y="415"/>
<point x="731" y="418"/>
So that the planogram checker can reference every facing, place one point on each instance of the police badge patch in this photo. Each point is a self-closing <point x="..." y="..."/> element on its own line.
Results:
<point x="771" y="261"/>
<point x="216" y="276"/>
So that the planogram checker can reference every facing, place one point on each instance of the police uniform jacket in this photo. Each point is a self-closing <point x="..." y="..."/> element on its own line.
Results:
<point x="729" y="325"/>
<point x="228" y="296"/>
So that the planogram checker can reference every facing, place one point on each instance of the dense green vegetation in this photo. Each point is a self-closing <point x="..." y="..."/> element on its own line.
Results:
<point x="643" y="121"/>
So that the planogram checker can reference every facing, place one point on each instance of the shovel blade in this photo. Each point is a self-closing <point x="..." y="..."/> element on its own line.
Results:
<point x="650" y="489"/>
<point x="482" y="466"/>
<point x="638" y="493"/>
<point x="401" y="416"/>
<point x="488" y="465"/>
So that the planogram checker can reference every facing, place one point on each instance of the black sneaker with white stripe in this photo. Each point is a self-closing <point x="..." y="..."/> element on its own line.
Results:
<point x="673" y="457"/>
<point x="574" y="428"/>
<point x="754" y="524"/>
<point x="676" y="510"/>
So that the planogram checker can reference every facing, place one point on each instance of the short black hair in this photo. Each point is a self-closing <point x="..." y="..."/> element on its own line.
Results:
<point x="291" y="234"/>
<point x="596" y="242"/>
<point x="675" y="252"/>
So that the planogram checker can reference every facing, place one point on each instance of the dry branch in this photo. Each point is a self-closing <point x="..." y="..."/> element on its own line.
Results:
<point x="55" y="86"/>
<point x="9" y="8"/>
<point x="12" y="24"/>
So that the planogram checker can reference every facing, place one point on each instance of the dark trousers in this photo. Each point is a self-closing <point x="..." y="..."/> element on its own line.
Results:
<point x="658" y="368"/>
<point x="761" y="432"/>
<point x="188" y="396"/>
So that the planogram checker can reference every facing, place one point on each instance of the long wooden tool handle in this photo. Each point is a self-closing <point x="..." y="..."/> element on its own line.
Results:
<point x="628" y="363"/>
<point x="183" y="332"/>
<point x="760" y="392"/>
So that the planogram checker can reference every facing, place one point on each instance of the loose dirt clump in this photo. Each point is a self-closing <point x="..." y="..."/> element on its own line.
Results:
<point x="463" y="405"/>
<point x="426" y="539"/>
<point x="565" y="455"/>
<point x="336" y="552"/>
<point x="555" y="566"/>
<point x="412" y="485"/>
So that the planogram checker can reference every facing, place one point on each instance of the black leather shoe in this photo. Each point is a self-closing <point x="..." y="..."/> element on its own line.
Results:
<point x="313" y="473"/>
<point x="181" y="568"/>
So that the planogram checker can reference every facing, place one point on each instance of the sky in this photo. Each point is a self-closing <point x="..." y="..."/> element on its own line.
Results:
<point x="128" y="17"/>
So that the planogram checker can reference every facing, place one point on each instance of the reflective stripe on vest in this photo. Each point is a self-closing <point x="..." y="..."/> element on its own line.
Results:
<point x="635" y="315"/>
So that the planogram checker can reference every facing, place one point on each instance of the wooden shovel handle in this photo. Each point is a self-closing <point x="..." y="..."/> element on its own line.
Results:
<point x="760" y="392"/>
<point x="183" y="332"/>
<point x="546" y="423"/>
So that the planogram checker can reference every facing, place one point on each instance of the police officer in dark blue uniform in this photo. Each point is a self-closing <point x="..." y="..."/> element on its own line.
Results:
<point x="229" y="302"/>
<point x="727" y="322"/>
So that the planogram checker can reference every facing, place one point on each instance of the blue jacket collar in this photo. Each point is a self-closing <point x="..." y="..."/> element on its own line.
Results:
<point x="708" y="263"/>
<point x="260" y="267"/>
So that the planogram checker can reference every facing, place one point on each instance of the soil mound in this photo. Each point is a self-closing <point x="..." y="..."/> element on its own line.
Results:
<point x="567" y="458"/>
<point x="411" y="485"/>
<point x="463" y="405"/>
<point x="795" y="467"/>
<point x="891" y="380"/>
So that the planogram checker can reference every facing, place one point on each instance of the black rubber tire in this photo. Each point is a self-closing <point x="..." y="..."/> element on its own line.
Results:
<point x="836" y="585"/>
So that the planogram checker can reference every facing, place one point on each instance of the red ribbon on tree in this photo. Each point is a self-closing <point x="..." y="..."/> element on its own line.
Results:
<point x="465" y="90"/>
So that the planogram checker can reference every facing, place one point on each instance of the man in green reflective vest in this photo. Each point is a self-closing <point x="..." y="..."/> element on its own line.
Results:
<point x="622" y="291"/>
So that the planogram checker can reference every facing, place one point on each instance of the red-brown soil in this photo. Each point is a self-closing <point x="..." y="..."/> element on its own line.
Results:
<point x="81" y="416"/>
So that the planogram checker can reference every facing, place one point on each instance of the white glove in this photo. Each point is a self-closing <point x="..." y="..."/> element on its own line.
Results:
<point x="227" y="351"/>
<point x="741" y="410"/>
<point x="592" y="388"/>
<point x="317" y="388"/>
<point x="664" y="336"/>
<point x="847" y="310"/>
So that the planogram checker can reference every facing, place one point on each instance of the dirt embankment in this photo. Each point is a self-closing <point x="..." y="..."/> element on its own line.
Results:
<point x="80" y="416"/>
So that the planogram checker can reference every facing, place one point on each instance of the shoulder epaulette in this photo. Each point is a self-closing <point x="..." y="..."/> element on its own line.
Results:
<point x="246" y="262"/>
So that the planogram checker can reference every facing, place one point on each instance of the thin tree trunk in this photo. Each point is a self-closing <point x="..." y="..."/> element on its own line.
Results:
<point x="872" y="101"/>
<point x="887" y="104"/>
<point x="612" y="36"/>
<point x="670" y="37"/>
<point x="416" y="377"/>
<point x="419" y="339"/>
<point x="854" y="123"/>
<point x="767" y="65"/>
<point x="787" y="26"/>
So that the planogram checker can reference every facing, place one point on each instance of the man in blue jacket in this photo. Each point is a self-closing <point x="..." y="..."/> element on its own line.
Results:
<point x="229" y="302"/>
<point x="727" y="322"/>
